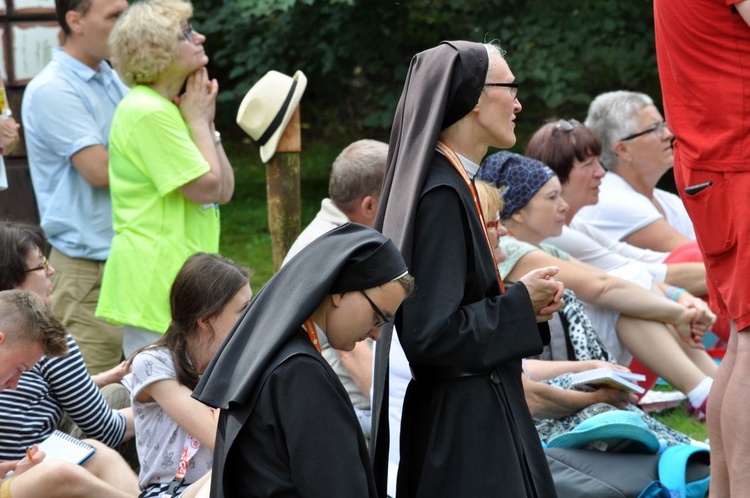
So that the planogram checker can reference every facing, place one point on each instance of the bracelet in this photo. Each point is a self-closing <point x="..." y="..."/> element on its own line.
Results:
<point x="673" y="292"/>
<point x="217" y="136"/>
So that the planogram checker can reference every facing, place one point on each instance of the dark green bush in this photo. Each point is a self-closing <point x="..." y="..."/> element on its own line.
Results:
<point x="355" y="53"/>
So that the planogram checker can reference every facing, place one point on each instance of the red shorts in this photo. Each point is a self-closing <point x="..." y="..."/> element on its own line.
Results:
<point x="721" y="217"/>
<point x="690" y="252"/>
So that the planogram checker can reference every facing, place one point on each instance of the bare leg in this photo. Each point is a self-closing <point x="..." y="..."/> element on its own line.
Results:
<point x="719" y="471"/>
<point x="656" y="348"/>
<point x="733" y="415"/>
<point x="110" y="467"/>
<point x="200" y="488"/>
<point x="57" y="479"/>
<point x="698" y="356"/>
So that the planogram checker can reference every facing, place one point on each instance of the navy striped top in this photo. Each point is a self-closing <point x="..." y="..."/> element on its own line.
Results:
<point x="29" y="414"/>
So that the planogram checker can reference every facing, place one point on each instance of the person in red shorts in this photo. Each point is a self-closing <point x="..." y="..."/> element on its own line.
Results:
<point x="703" y="52"/>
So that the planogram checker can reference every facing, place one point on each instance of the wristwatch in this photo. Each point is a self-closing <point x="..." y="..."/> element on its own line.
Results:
<point x="217" y="137"/>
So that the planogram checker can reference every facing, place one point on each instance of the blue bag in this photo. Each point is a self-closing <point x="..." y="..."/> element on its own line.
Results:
<point x="677" y="474"/>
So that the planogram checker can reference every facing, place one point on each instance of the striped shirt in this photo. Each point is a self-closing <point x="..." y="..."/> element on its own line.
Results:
<point x="29" y="414"/>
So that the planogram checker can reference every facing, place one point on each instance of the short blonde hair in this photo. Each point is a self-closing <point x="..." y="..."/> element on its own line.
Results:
<point x="489" y="199"/>
<point x="144" y="40"/>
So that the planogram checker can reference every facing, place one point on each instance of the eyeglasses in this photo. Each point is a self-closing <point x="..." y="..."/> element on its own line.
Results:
<point x="187" y="33"/>
<point x="43" y="266"/>
<point x="512" y="87"/>
<point x="493" y="224"/>
<point x="566" y="125"/>
<point x="657" y="129"/>
<point x="384" y="320"/>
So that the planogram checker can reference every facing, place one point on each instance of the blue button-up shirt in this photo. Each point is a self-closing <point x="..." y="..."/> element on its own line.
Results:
<point x="67" y="107"/>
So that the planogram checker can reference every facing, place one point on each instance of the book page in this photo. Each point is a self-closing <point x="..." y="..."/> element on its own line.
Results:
<point x="611" y="377"/>
<point x="61" y="446"/>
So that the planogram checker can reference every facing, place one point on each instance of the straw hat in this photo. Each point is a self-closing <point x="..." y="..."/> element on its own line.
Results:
<point x="616" y="430"/>
<point x="267" y="108"/>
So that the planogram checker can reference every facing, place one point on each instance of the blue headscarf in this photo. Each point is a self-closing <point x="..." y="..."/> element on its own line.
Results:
<point x="517" y="177"/>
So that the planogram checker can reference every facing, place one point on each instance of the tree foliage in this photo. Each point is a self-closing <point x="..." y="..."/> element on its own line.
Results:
<point x="355" y="53"/>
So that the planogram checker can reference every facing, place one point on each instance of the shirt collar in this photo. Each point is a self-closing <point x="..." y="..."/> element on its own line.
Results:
<point x="79" y="68"/>
<point x="470" y="166"/>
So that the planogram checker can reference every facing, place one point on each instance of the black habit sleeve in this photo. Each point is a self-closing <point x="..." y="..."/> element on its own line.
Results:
<point x="451" y="321"/>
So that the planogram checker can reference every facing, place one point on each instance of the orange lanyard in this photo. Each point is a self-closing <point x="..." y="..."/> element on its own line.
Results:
<point x="458" y="166"/>
<point x="313" y="333"/>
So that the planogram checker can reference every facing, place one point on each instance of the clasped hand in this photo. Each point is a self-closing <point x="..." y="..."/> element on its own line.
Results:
<point x="545" y="292"/>
<point x="198" y="103"/>
<point x="697" y="320"/>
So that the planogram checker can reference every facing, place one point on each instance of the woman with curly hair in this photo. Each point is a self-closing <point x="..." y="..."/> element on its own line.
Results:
<point x="168" y="171"/>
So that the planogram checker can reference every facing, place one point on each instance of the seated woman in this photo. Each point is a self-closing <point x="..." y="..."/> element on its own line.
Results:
<point x="637" y="152"/>
<point x="32" y="409"/>
<point x="630" y="320"/>
<point x="556" y="407"/>
<point x="572" y="151"/>
<point x="287" y="426"/>
<point x="174" y="431"/>
<point x="54" y="386"/>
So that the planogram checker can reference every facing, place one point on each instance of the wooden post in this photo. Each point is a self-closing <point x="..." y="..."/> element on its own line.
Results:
<point x="283" y="191"/>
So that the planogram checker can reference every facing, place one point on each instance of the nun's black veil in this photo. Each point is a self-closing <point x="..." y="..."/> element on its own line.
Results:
<point x="348" y="258"/>
<point x="442" y="86"/>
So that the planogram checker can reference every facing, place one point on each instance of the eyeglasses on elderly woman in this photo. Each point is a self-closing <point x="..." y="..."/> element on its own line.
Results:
<point x="512" y="87"/>
<point x="188" y="33"/>
<point x="657" y="129"/>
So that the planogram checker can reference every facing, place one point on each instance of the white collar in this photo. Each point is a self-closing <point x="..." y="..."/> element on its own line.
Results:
<point x="470" y="166"/>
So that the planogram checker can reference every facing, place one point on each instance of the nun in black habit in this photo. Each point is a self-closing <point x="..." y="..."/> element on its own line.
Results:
<point x="287" y="427"/>
<point x="466" y="429"/>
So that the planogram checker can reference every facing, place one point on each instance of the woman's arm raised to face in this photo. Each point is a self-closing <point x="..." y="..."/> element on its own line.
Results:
<point x="198" y="106"/>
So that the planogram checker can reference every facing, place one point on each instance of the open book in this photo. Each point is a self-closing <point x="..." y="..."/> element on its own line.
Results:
<point x="605" y="376"/>
<point x="61" y="446"/>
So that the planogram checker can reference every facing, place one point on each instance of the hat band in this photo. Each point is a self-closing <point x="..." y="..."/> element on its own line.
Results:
<point x="279" y="117"/>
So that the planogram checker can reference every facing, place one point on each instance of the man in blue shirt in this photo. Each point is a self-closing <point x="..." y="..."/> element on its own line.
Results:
<point x="67" y="110"/>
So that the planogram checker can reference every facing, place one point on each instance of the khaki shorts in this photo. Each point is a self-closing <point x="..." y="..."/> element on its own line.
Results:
<point x="75" y="294"/>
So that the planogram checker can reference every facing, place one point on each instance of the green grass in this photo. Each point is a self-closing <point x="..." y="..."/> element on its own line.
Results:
<point x="678" y="420"/>
<point x="245" y="237"/>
